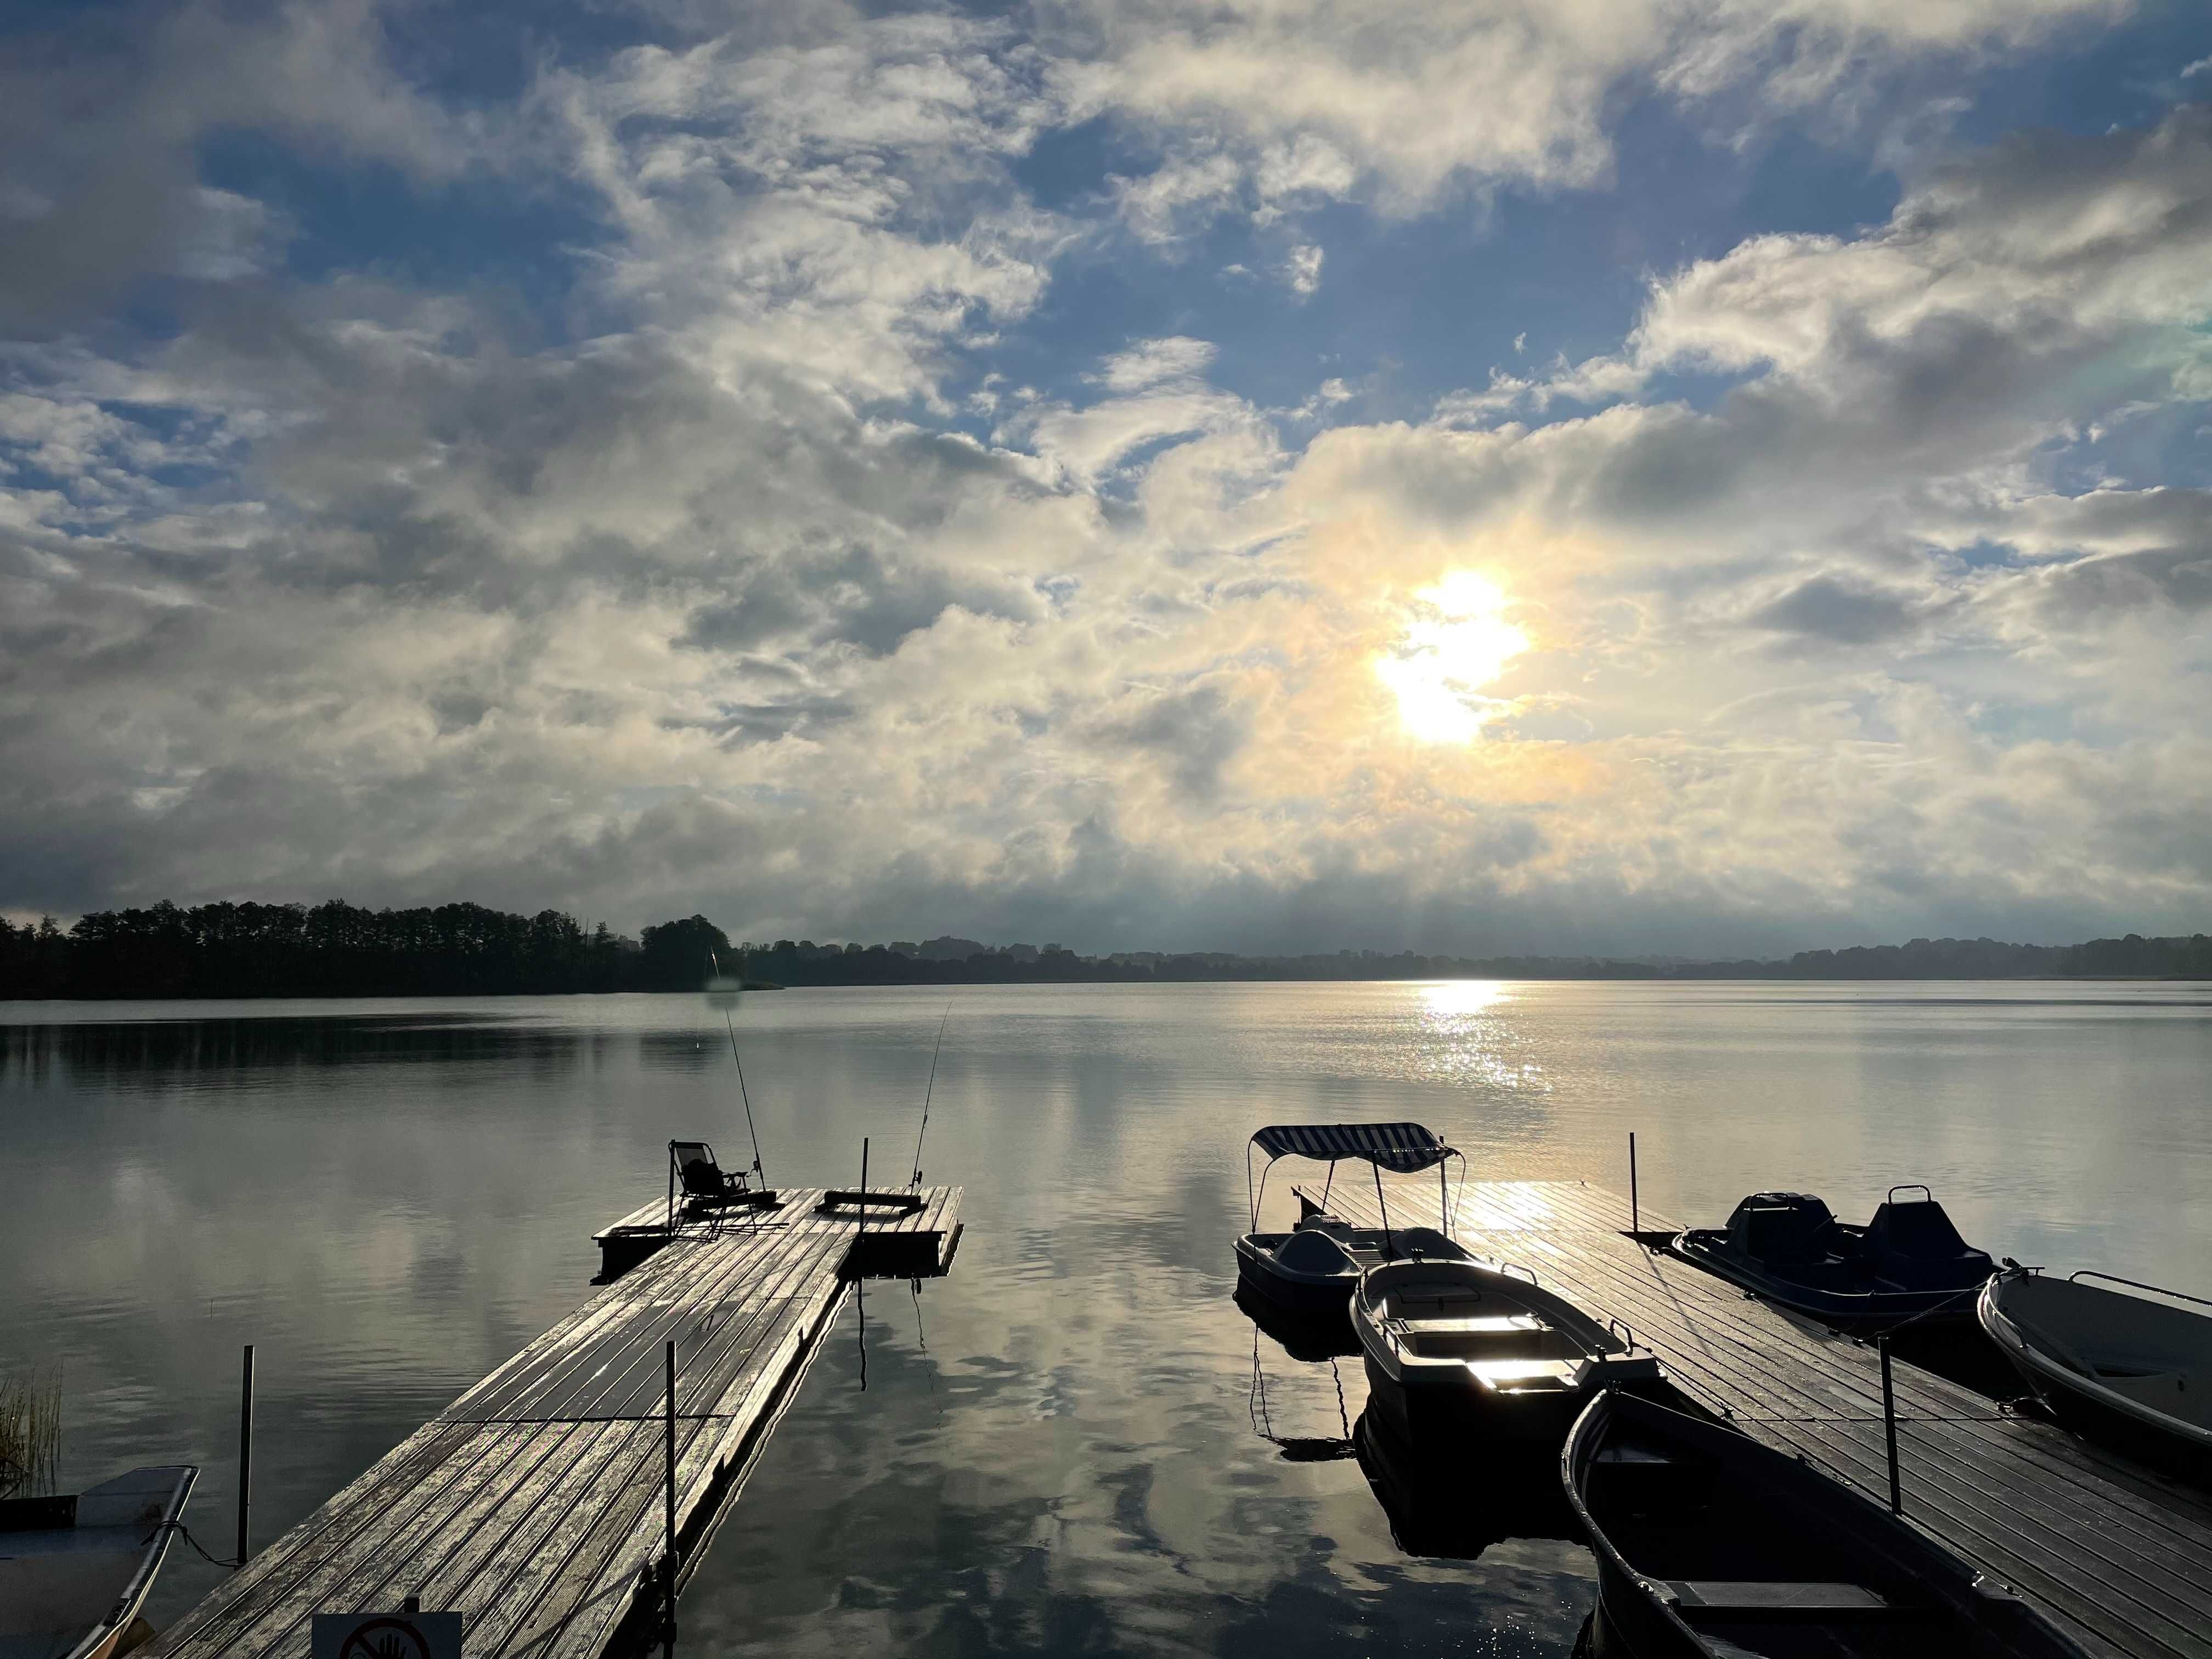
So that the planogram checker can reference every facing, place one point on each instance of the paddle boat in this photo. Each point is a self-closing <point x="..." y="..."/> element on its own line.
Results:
<point x="75" y="1569"/>
<point x="1311" y="1271"/>
<point x="1908" y="1263"/>
<point x="1711" y="1545"/>
<point x="2112" y="1366"/>
<point x="1455" y="1348"/>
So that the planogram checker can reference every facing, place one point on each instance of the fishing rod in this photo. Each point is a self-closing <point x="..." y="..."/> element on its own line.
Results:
<point x="730" y="1025"/>
<point x="916" y="1182"/>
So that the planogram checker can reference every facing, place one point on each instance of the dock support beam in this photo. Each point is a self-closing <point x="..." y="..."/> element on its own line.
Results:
<point x="1889" y="1425"/>
<point x="668" y="1560"/>
<point x="245" y="1454"/>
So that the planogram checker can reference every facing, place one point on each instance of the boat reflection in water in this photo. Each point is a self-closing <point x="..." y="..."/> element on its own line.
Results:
<point x="1307" y="1339"/>
<point x="1459" y="1505"/>
<point x="1295" y="1447"/>
<point x="1451" y="1502"/>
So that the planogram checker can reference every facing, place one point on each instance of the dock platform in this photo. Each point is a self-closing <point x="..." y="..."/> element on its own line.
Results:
<point x="2120" y="1556"/>
<point x="534" y="1503"/>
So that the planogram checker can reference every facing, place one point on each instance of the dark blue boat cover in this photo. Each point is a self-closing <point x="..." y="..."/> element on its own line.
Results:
<point x="1404" y="1147"/>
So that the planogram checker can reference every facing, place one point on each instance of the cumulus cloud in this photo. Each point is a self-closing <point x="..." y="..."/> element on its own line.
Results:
<point x="1256" y="102"/>
<point x="818" y="558"/>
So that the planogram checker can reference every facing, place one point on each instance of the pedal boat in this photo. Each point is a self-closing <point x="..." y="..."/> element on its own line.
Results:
<point x="1908" y="1263"/>
<point x="1311" y="1271"/>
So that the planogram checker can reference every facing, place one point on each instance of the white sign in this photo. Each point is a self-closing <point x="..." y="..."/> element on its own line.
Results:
<point x="388" y="1636"/>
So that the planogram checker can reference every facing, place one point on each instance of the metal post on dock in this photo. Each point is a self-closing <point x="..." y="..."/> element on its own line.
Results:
<point x="668" y="1560"/>
<point x="1889" y="1423"/>
<point x="245" y="1454"/>
<point x="1635" y="1206"/>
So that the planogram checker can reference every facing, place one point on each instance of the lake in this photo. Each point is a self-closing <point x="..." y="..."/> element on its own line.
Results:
<point x="1076" y="1442"/>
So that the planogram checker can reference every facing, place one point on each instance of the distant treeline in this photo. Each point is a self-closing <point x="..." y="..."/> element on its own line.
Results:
<point x="963" y="961"/>
<point x="341" y="950"/>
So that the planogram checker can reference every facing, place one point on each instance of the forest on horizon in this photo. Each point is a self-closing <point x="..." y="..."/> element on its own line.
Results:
<point x="339" y="949"/>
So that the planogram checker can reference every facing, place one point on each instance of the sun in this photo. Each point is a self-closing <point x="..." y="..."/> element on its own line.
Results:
<point x="1455" y="642"/>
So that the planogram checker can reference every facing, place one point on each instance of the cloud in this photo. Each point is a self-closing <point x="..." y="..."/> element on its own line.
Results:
<point x="1256" y="102"/>
<point x="1842" y="611"/>
<point x="1148" y="362"/>
<point x="95" y="204"/>
<point x="840" y="546"/>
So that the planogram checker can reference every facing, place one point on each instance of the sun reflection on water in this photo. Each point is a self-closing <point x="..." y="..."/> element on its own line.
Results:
<point x="1467" y="1038"/>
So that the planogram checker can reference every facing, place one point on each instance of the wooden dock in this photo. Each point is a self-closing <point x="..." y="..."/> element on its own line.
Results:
<point x="534" y="1503"/>
<point x="2122" y="1558"/>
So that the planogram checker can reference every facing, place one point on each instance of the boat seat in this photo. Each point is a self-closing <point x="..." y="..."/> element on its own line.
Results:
<point x="1474" y="1322"/>
<point x="1511" y="1338"/>
<point x="1764" y="1598"/>
<point x="1914" y="1246"/>
<point x="1630" y="1455"/>
<point x="1446" y="1304"/>
<point x="1525" y="1375"/>
<point x="2163" y="1391"/>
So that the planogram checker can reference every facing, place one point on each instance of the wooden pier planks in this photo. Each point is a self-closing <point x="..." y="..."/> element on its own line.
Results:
<point x="533" y="1504"/>
<point x="2121" y="1556"/>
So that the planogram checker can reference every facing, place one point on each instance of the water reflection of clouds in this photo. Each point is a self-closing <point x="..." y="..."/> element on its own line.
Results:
<point x="390" y="1204"/>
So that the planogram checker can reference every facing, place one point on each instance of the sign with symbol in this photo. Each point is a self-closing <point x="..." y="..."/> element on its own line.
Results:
<point x="388" y="1636"/>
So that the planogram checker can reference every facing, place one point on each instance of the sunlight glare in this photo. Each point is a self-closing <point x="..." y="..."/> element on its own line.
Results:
<point x="1456" y="998"/>
<point x="1456" y="643"/>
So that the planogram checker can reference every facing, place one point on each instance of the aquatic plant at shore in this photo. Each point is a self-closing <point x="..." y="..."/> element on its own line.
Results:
<point x="30" y="1433"/>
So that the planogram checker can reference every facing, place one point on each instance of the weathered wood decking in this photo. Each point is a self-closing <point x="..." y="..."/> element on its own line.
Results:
<point x="533" y="1504"/>
<point x="2123" y="1557"/>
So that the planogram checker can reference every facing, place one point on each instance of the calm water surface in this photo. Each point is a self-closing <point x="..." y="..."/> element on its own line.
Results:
<point x="1065" y="1445"/>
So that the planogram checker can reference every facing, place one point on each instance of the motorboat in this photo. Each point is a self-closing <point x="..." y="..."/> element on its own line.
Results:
<point x="1455" y="1348"/>
<point x="1708" y="1543"/>
<point x="75" y="1569"/>
<point x="1312" y="1269"/>
<point x="2109" y="1364"/>
<point x="1907" y="1263"/>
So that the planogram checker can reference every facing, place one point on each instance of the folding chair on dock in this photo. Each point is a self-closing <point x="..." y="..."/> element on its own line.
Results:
<point x="709" y="1191"/>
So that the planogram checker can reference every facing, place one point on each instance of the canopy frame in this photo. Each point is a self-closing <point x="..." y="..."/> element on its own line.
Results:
<point x="1404" y="1148"/>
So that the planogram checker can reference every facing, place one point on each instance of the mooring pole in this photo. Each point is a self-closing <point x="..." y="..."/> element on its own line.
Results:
<point x="863" y="1227"/>
<point x="1390" y="1248"/>
<point x="1889" y="1425"/>
<point x="244" y="1453"/>
<point x="1635" y="1205"/>
<point x="668" y="1563"/>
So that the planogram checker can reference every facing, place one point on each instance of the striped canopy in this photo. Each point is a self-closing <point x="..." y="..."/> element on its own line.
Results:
<point x="1404" y="1147"/>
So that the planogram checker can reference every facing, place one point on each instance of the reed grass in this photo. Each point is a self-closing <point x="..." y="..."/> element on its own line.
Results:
<point x="30" y="1433"/>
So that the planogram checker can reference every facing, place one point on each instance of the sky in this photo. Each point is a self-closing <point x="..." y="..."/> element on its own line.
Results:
<point x="1706" y="477"/>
